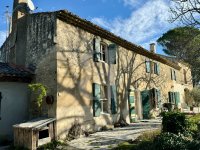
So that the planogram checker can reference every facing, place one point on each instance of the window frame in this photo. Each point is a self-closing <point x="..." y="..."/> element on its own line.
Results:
<point x="104" y="99"/>
<point x="151" y="67"/>
<point x="173" y="74"/>
<point x="103" y="52"/>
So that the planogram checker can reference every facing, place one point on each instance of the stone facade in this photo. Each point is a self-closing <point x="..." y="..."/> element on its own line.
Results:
<point x="62" y="55"/>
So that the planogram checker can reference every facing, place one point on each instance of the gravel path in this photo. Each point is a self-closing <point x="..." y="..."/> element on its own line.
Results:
<point x="110" y="139"/>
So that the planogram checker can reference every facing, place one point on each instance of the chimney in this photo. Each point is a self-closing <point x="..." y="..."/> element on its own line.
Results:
<point x="153" y="47"/>
<point x="19" y="10"/>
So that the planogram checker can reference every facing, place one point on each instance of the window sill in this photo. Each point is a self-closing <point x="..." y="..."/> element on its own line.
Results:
<point x="103" y="113"/>
<point x="101" y="61"/>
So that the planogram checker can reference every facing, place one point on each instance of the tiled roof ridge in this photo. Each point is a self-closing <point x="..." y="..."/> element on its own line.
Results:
<point x="18" y="67"/>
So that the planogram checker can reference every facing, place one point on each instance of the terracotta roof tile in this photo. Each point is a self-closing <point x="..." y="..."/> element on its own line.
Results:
<point x="7" y="69"/>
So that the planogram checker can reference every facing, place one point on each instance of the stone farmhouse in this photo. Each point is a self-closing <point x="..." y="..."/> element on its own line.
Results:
<point x="94" y="76"/>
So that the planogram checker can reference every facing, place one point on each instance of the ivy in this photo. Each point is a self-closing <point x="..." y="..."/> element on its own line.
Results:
<point x="39" y="89"/>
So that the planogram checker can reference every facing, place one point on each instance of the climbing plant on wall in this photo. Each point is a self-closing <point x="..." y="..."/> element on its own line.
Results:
<point x="40" y="90"/>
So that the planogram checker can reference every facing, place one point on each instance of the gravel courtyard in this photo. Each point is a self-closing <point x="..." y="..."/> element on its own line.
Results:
<point x="110" y="139"/>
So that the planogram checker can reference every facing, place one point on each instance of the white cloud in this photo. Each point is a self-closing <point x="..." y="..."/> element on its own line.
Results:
<point x="102" y="22"/>
<point x="2" y="37"/>
<point x="132" y="3"/>
<point x="144" y="24"/>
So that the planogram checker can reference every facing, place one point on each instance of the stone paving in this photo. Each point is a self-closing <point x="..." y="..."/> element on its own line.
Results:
<point x="110" y="139"/>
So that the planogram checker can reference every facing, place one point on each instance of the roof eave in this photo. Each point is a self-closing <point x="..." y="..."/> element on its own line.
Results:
<point x="96" y="30"/>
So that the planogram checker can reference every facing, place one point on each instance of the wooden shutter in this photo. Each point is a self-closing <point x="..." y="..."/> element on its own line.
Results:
<point x="148" y="66"/>
<point x="96" y="49"/>
<point x="172" y="76"/>
<point x="113" y="99"/>
<point x="174" y="72"/>
<point x="96" y="99"/>
<point x="159" y="100"/>
<point x="155" y="67"/>
<point x="177" y="98"/>
<point x="158" y="68"/>
<point x="112" y="53"/>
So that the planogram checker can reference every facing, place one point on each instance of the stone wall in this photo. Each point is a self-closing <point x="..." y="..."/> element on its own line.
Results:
<point x="76" y="71"/>
<point x="41" y="56"/>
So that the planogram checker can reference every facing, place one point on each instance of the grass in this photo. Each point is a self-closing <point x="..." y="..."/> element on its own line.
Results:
<point x="148" y="135"/>
<point x="143" y="142"/>
<point x="195" y="118"/>
<point x="125" y="145"/>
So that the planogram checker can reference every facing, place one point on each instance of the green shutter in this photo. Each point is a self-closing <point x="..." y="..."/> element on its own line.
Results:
<point x="148" y="66"/>
<point x="159" y="101"/>
<point x="155" y="68"/>
<point x="131" y="99"/>
<point x="113" y="99"/>
<point x="158" y="68"/>
<point x="177" y="98"/>
<point x="174" y="75"/>
<point x="112" y="53"/>
<point x="96" y="100"/>
<point x="173" y="97"/>
<point x="96" y="48"/>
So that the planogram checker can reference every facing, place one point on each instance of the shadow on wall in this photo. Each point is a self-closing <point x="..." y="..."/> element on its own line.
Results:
<point x="78" y="72"/>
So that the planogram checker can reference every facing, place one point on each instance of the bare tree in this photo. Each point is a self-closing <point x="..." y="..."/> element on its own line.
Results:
<point x="131" y="72"/>
<point x="186" y="11"/>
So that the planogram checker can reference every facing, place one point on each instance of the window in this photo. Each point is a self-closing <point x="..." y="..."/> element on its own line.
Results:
<point x="171" y="96"/>
<point x="104" y="98"/>
<point x="148" y="66"/>
<point x="44" y="134"/>
<point x="152" y="67"/>
<point x="185" y="76"/>
<point x="173" y="74"/>
<point x="100" y="99"/>
<point x="174" y="97"/>
<point x="155" y="98"/>
<point x="100" y="50"/>
<point x="103" y="49"/>
<point x="103" y="52"/>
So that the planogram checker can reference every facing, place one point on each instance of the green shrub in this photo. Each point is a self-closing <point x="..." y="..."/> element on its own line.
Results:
<point x="193" y="145"/>
<point x="50" y="146"/>
<point x="169" y="141"/>
<point x="148" y="135"/>
<point x="174" y="122"/>
<point x="193" y="126"/>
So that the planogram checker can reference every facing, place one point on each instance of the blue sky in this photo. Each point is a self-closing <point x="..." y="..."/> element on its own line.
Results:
<point x="138" y="21"/>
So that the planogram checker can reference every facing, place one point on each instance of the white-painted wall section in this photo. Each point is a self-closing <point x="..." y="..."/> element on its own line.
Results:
<point x="14" y="106"/>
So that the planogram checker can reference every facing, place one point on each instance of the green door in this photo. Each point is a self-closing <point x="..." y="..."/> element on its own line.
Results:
<point x="145" y="103"/>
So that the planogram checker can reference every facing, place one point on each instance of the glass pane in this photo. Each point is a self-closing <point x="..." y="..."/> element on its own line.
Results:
<point x="105" y="106"/>
<point x="103" y="92"/>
